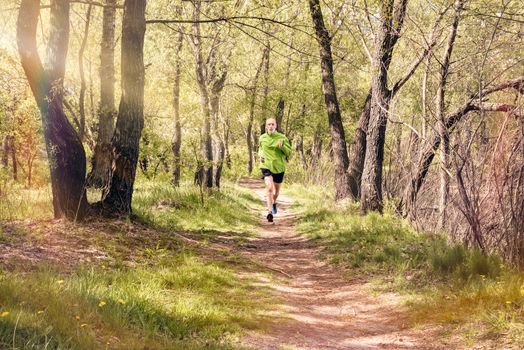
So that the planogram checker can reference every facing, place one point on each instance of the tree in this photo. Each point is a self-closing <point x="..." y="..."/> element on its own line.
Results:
<point x="338" y="141"/>
<point x="101" y="160"/>
<point x="64" y="149"/>
<point x="130" y="120"/>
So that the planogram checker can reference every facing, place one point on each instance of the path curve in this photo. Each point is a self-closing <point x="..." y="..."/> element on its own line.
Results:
<point x="322" y="309"/>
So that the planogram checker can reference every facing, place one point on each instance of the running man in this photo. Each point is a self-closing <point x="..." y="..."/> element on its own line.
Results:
<point x="273" y="148"/>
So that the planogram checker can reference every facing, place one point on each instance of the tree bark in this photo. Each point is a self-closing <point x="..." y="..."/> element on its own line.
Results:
<point x="65" y="151"/>
<point x="102" y="156"/>
<point x="371" y="191"/>
<point x="5" y="151"/>
<point x="176" y="142"/>
<point x="130" y="121"/>
<point x="279" y="114"/>
<point x="358" y="150"/>
<point x="338" y="141"/>
<point x="81" y="102"/>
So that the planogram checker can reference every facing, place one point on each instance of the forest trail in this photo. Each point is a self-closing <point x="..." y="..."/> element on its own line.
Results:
<point x="323" y="310"/>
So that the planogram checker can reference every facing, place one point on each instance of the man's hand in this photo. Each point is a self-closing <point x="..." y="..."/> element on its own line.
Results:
<point x="280" y="143"/>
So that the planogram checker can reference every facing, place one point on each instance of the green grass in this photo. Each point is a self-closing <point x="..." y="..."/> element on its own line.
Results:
<point x="447" y="284"/>
<point x="150" y="289"/>
<point x="183" y="303"/>
<point x="230" y="210"/>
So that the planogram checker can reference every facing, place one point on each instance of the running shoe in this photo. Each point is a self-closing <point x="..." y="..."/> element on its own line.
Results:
<point x="274" y="208"/>
<point x="270" y="217"/>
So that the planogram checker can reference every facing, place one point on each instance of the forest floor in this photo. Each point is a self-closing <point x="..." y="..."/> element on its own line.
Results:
<point x="299" y="301"/>
<point x="324" y="308"/>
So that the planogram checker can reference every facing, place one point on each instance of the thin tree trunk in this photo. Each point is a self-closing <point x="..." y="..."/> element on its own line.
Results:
<point x="81" y="102"/>
<point x="205" y="170"/>
<point x="102" y="156"/>
<point x="252" y="103"/>
<point x="65" y="152"/>
<point x="443" y="131"/>
<point x="130" y="121"/>
<point x="12" y="150"/>
<point x="5" y="151"/>
<point x="338" y="141"/>
<point x="177" y="134"/>
<point x="279" y="114"/>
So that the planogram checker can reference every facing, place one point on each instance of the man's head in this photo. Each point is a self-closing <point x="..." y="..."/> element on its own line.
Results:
<point x="271" y="125"/>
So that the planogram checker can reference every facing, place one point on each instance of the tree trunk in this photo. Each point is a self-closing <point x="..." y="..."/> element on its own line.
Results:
<point x="12" y="150"/>
<point x="5" y="151"/>
<point x="81" y="102"/>
<point x="218" y="144"/>
<point x="358" y="150"/>
<point x="338" y="141"/>
<point x="205" y="169"/>
<point x="443" y="131"/>
<point x="130" y="121"/>
<point x="102" y="156"/>
<point x="65" y="152"/>
<point x="279" y="114"/>
<point x="252" y="103"/>
<point x="177" y="134"/>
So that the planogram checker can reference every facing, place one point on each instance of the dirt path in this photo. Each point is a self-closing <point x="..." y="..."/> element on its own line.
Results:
<point x="322" y="309"/>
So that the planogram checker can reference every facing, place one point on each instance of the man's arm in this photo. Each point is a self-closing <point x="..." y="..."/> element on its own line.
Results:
<point x="286" y="147"/>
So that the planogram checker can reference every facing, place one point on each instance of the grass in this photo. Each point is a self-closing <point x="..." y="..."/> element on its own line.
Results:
<point x="141" y="286"/>
<point x="446" y="284"/>
<point x="229" y="210"/>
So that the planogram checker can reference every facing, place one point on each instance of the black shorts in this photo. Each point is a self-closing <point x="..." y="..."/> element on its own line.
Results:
<point x="277" y="178"/>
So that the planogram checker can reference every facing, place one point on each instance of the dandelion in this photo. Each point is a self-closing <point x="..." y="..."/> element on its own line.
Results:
<point x="508" y="302"/>
<point x="77" y="318"/>
<point x="83" y="325"/>
<point x="40" y="312"/>
<point x="4" y="314"/>
<point x="101" y="304"/>
<point x="121" y="301"/>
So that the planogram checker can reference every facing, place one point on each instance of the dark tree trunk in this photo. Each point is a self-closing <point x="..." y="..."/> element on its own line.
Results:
<point x="65" y="152"/>
<point x="177" y="134"/>
<point x="316" y="147"/>
<point x="279" y="115"/>
<point x="5" y="151"/>
<point x="102" y="156"/>
<point x="218" y="144"/>
<point x="12" y="150"/>
<point x="130" y="120"/>
<point x="81" y="102"/>
<point x="338" y="141"/>
<point x="358" y="150"/>
<point x="300" y="149"/>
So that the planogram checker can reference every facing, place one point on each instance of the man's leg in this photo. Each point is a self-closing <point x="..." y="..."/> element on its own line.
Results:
<point x="276" y="192"/>
<point x="270" y="192"/>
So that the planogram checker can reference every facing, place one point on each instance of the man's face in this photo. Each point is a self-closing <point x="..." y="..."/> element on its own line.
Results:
<point x="271" y="125"/>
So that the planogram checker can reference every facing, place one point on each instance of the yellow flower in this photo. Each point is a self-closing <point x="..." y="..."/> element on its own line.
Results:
<point x="4" y="314"/>
<point x="83" y="325"/>
<point x="77" y="318"/>
<point x="121" y="301"/>
<point x="40" y="312"/>
<point x="60" y="281"/>
<point x="522" y="291"/>
<point x="101" y="304"/>
<point x="508" y="302"/>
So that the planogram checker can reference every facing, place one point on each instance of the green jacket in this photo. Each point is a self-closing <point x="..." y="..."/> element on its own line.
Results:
<point x="274" y="157"/>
